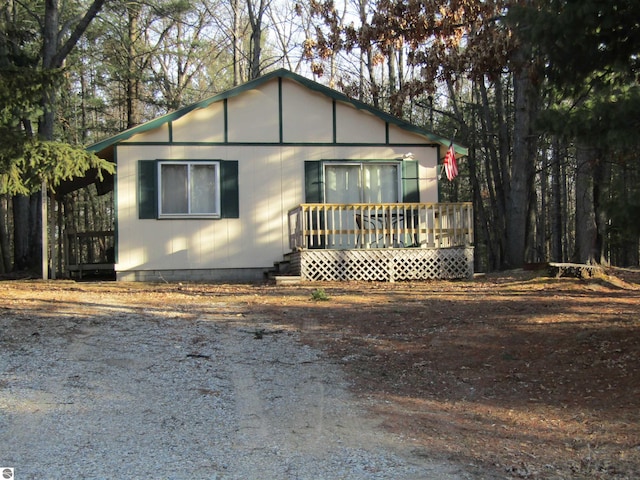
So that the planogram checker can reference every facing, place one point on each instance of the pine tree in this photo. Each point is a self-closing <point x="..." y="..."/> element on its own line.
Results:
<point x="591" y="50"/>
<point x="33" y="51"/>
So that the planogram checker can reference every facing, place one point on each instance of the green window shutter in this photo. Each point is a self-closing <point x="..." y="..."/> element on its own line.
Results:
<point x="314" y="192"/>
<point x="147" y="189"/>
<point x="410" y="187"/>
<point x="313" y="188"/>
<point x="229" y="190"/>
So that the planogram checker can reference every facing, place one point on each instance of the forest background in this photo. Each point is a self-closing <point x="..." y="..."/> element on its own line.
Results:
<point x="545" y="93"/>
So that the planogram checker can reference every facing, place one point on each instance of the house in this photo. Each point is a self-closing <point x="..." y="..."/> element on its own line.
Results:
<point x="283" y="169"/>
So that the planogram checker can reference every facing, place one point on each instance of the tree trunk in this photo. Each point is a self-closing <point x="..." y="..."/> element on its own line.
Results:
<point x="133" y="80"/>
<point x="255" y="19"/>
<point x="496" y="171"/>
<point x="375" y="88"/>
<point x="628" y="250"/>
<point x="480" y="223"/>
<point x="532" y="247"/>
<point x="49" y="50"/>
<point x="59" y="265"/>
<point x="5" y="258"/>
<point x="543" y="217"/>
<point x="27" y="250"/>
<point x="586" y="227"/>
<point x="601" y="194"/>
<point x="237" y="42"/>
<point x="556" y="204"/>
<point x="522" y="166"/>
<point x="392" y="80"/>
<point x="568" y="232"/>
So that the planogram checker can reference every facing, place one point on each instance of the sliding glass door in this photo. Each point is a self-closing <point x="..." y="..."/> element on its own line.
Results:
<point x="357" y="182"/>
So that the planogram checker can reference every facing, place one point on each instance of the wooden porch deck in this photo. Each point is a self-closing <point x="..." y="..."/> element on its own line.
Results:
<point x="385" y="242"/>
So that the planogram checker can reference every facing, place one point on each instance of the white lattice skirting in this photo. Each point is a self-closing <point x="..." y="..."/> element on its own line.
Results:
<point x="384" y="264"/>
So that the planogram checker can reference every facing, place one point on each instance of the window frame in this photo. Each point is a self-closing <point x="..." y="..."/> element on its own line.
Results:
<point x="188" y="164"/>
<point x="362" y="164"/>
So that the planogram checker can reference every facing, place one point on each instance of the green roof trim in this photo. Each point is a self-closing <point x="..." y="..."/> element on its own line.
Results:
<point x="280" y="73"/>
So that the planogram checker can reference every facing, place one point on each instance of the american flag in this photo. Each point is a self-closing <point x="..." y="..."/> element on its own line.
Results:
<point x="450" y="164"/>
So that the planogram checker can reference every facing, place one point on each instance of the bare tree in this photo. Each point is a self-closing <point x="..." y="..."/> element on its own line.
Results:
<point x="256" y="11"/>
<point x="522" y="172"/>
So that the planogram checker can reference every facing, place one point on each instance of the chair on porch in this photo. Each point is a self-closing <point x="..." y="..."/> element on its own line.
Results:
<point x="379" y="224"/>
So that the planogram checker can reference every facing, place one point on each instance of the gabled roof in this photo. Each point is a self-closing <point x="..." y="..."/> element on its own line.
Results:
<point x="282" y="73"/>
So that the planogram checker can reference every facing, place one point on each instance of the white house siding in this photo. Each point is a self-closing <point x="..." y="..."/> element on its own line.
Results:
<point x="271" y="177"/>
<point x="398" y="135"/>
<point x="253" y="116"/>
<point x="307" y="116"/>
<point x="358" y="126"/>
<point x="160" y="134"/>
<point x="201" y="125"/>
<point x="271" y="182"/>
<point x="427" y="167"/>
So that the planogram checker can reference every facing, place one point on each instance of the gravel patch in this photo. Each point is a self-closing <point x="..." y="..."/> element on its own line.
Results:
<point x="110" y="391"/>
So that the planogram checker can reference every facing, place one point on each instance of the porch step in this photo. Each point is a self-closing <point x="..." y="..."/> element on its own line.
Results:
<point x="288" y="279"/>
<point x="280" y="269"/>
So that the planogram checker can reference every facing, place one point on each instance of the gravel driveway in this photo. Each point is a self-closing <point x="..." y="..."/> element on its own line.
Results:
<point x="98" y="389"/>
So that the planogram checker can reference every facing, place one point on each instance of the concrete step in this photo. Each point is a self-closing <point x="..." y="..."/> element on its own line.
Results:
<point x="288" y="279"/>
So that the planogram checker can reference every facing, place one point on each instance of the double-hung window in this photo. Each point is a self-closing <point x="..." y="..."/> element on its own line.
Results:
<point x="188" y="189"/>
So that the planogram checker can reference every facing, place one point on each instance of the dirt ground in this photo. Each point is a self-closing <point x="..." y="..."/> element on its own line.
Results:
<point x="517" y="375"/>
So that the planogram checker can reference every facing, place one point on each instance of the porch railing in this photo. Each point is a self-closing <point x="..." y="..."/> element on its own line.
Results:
<point x="382" y="225"/>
